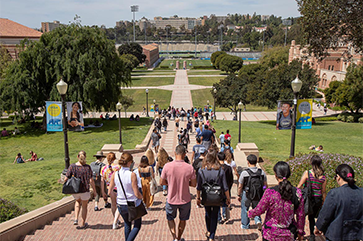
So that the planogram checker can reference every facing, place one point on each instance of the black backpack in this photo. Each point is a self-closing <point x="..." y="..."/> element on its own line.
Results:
<point x="212" y="194"/>
<point x="254" y="186"/>
<point x="96" y="169"/>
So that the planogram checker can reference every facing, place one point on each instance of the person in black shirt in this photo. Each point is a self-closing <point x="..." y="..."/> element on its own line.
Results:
<point x="229" y="178"/>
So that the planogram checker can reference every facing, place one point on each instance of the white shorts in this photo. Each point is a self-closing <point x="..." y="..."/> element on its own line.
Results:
<point x="83" y="196"/>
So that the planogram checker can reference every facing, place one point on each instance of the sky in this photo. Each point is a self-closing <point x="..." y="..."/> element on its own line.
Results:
<point x="106" y="12"/>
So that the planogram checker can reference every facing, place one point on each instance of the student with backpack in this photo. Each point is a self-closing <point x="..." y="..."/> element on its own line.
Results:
<point x="212" y="188"/>
<point x="229" y="178"/>
<point x="96" y="172"/>
<point x="251" y="186"/>
<point x="281" y="203"/>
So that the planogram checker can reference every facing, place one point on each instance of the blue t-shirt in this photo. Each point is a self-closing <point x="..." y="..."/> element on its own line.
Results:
<point x="227" y="147"/>
<point x="196" y="149"/>
<point x="207" y="135"/>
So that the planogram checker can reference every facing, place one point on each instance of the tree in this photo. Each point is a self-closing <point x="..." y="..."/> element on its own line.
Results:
<point x="82" y="56"/>
<point x="230" y="91"/>
<point x="134" y="49"/>
<point x="231" y="64"/>
<point x="5" y="61"/>
<point x="215" y="56"/>
<point x="219" y="60"/>
<point x="275" y="56"/>
<point x="330" y="92"/>
<point x="130" y="61"/>
<point x="327" y="23"/>
<point x="126" y="102"/>
<point x="350" y="91"/>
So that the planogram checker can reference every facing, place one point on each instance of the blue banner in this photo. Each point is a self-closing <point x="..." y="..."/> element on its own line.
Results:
<point x="304" y="114"/>
<point x="54" y="116"/>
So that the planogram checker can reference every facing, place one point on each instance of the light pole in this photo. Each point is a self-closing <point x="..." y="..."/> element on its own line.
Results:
<point x="296" y="87"/>
<point x="62" y="89"/>
<point x="214" y="105"/>
<point x="118" y="107"/>
<point x="167" y="34"/>
<point x="221" y="41"/>
<point x="240" y="110"/>
<point x="134" y="9"/>
<point x="147" y="102"/>
<point x="195" y="52"/>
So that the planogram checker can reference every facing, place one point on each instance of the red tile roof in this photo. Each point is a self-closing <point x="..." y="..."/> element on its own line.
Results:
<point x="150" y="47"/>
<point x="12" y="29"/>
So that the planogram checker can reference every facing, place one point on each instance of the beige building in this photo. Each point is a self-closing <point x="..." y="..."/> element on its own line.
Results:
<point x="177" y="22"/>
<point x="331" y="68"/>
<point x="12" y="33"/>
<point x="49" y="26"/>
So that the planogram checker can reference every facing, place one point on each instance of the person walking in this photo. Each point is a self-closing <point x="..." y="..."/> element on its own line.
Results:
<point x="230" y="162"/>
<point x="155" y="137"/>
<point x="281" y="203"/>
<point x="252" y="181"/>
<point x="229" y="179"/>
<point x="341" y="216"/>
<point x="165" y="123"/>
<point x="178" y="175"/>
<point x="177" y="123"/>
<point x="162" y="159"/>
<point x="196" y="149"/>
<point x="207" y="137"/>
<point x="212" y="173"/>
<point x="84" y="172"/>
<point x="126" y="182"/>
<point x="106" y="174"/>
<point x="317" y="181"/>
<point x="96" y="172"/>
<point x="146" y="173"/>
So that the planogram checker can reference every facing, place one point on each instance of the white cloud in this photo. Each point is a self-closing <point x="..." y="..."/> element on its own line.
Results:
<point x="96" y="12"/>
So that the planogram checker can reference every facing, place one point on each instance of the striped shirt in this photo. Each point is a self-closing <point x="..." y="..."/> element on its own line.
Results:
<point x="316" y="184"/>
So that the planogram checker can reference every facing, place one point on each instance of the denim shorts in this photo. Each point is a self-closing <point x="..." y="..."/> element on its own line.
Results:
<point x="184" y="211"/>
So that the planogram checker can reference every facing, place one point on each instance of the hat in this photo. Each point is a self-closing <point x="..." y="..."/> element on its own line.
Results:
<point x="99" y="154"/>
<point x="202" y="150"/>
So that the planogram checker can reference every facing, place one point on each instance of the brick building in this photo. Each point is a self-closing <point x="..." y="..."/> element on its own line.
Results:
<point x="331" y="68"/>
<point x="12" y="33"/>
<point x="152" y="54"/>
<point x="49" y="26"/>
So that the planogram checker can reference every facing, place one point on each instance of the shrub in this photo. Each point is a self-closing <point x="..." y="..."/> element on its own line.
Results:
<point x="360" y="120"/>
<point x="350" y="119"/>
<point x="203" y="67"/>
<point x="9" y="210"/>
<point x="301" y="163"/>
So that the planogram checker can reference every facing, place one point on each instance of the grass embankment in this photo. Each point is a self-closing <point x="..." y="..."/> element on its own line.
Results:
<point x="208" y="72"/>
<point x="200" y="98"/>
<point x="152" y="81"/>
<point x="162" y="98"/>
<point x="274" y="145"/>
<point x="34" y="184"/>
<point x="154" y="72"/>
<point x="206" y="81"/>
<point x="197" y="62"/>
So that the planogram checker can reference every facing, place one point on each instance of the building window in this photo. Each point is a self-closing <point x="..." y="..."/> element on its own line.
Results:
<point x="332" y="67"/>
<point x="329" y="67"/>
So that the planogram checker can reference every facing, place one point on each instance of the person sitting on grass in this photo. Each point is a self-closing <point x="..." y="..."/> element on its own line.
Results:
<point x="4" y="132"/>
<point x="33" y="158"/>
<point x="19" y="159"/>
<point x="319" y="148"/>
<point x="16" y="131"/>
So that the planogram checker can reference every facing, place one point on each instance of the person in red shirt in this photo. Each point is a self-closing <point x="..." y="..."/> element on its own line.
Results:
<point x="227" y="136"/>
<point x="33" y="158"/>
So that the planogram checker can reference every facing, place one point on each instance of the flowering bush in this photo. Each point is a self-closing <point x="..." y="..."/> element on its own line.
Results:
<point x="301" y="163"/>
<point x="9" y="210"/>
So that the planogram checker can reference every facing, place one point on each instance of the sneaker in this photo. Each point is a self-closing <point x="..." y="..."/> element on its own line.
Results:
<point x="165" y="192"/>
<point x="83" y="227"/>
<point x="115" y="226"/>
<point x="243" y="227"/>
<point x="96" y="209"/>
<point x="259" y="226"/>
<point x="108" y="205"/>
<point x="75" y="222"/>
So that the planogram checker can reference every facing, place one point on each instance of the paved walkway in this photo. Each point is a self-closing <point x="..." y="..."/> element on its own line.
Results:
<point x="154" y="225"/>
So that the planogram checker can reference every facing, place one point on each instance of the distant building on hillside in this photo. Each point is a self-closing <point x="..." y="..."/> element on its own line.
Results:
<point x="219" y="18"/>
<point x="265" y="17"/>
<point x="12" y="33"/>
<point x="177" y="22"/>
<point x="121" y="23"/>
<point x="152" y="54"/>
<point x="331" y="68"/>
<point x="259" y="29"/>
<point x="49" y="26"/>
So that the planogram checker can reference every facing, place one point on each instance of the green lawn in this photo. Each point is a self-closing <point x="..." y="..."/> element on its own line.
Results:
<point x="207" y="81"/>
<point x="196" y="62"/>
<point x="155" y="72"/>
<point x="207" y="72"/>
<point x="274" y="145"/>
<point x="200" y="98"/>
<point x="152" y="81"/>
<point x="35" y="184"/>
<point x="162" y="97"/>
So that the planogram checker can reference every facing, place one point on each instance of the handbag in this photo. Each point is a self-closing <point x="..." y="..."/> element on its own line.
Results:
<point x="71" y="186"/>
<point x="153" y="185"/>
<point x="308" y="199"/>
<point x="133" y="211"/>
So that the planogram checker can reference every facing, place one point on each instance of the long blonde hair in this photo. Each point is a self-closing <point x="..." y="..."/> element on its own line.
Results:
<point x="162" y="157"/>
<point x="210" y="161"/>
<point x="150" y="156"/>
<point x="228" y="154"/>
<point x="82" y="157"/>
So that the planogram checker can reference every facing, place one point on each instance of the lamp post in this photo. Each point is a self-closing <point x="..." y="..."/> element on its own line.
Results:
<point x="221" y="41"/>
<point x="62" y="89"/>
<point x="214" y="104"/>
<point x="195" y="51"/>
<point x="240" y="110"/>
<point x="134" y="9"/>
<point x="118" y="107"/>
<point x="147" y="102"/>
<point x="167" y="28"/>
<point x="296" y="87"/>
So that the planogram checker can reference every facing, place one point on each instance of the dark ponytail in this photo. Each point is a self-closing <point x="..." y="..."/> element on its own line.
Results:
<point x="346" y="173"/>
<point x="282" y="171"/>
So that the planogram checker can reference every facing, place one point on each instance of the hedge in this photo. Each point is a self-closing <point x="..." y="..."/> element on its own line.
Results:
<point x="9" y="210"/>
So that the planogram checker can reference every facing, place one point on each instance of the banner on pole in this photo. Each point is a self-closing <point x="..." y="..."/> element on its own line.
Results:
<point x="54" y="116"/>
<point x="304" y="114"/>
<point x="284" y="115"/>
<point x="75" y="116"/>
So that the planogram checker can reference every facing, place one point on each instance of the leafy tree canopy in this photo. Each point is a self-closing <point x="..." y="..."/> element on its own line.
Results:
<point x="82" y="56"/>
<point x="231" y="64"/>
<point x="215" y="55"/>
<point x="326" y="23"/>
<point x="130" y="61"/>
<point x="134" y="49"/>
<point x="330" y="92"/>
<point x="275" y="56"/>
